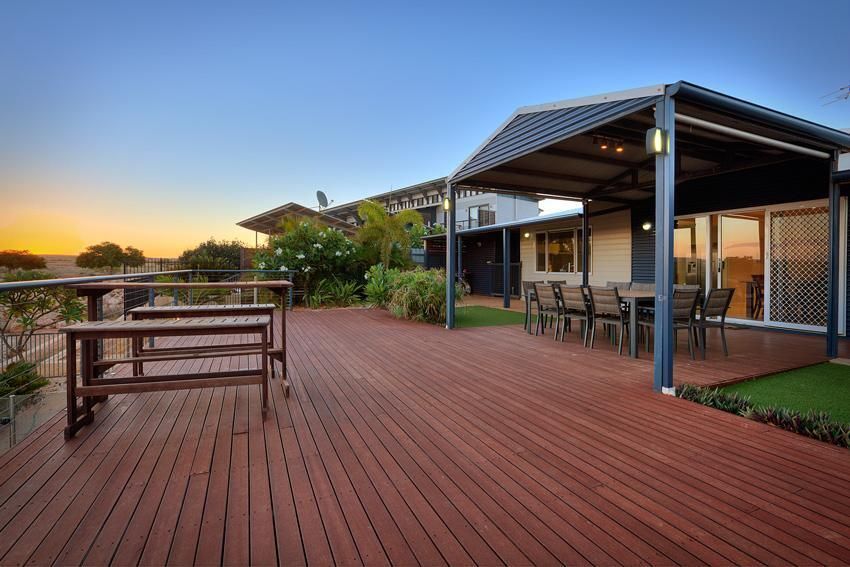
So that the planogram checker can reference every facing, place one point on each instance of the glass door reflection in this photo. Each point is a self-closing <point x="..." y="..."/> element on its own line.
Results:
<point x="740" y="261"/>
<point x="689" y="252"/>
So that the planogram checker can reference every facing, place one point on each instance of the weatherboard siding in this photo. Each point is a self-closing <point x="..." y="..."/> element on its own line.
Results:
<point x="610" y="255"/>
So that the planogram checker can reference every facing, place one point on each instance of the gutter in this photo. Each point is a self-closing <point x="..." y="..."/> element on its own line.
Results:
<point x="758" y="113"/>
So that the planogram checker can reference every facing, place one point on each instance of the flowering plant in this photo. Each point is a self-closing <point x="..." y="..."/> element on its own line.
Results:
<point x="313" y="250"/>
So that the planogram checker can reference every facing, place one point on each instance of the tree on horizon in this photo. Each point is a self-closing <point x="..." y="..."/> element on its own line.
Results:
<point x="109" y="255"/>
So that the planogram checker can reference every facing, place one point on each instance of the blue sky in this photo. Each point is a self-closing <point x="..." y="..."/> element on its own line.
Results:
<point x="200" y="114"/>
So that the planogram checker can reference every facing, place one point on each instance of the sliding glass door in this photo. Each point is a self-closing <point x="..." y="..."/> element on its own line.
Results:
<point x="724" y="250"/>
<point x="740" y="261"/>
<point x="690" y="251"/>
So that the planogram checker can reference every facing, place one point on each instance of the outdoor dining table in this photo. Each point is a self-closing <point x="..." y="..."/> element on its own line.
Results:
<point x="633" y="297"/>
<point x="96" y="290"/>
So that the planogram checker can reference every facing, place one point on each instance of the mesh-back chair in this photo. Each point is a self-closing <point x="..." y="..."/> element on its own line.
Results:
<point x="713" y="315"/>
<point x="548" y="307"/>
<point x="684" y="317"/>
<point x="608" y="311"/>
<point x="528" y="286"/>
<point x="575" y="306"/>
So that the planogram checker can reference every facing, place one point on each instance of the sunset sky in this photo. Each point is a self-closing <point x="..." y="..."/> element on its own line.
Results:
<point x="160" y="124"/>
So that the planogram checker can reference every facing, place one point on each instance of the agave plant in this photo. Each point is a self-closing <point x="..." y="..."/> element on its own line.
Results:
<point x="817" y="425"/>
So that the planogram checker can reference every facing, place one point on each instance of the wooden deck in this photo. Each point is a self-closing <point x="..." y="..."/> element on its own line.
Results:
<point x="405" y="443"/>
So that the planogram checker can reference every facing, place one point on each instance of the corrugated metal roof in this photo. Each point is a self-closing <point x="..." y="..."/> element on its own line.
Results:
<point x="540" y="219"/>
<point x="527" y="132"/>
<point x="267" y="221"/>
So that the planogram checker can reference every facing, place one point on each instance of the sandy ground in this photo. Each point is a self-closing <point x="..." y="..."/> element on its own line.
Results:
<point x="63" y="266"/>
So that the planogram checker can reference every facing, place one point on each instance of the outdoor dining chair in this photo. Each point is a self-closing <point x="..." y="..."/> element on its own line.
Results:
<point x="713" y="315"/>
<point x="548" y="307"/>
<point x="607" y="310"/>
<point x="575" y="306"/>
<point x="527" y="293"/>
<point x="684" y="318"/>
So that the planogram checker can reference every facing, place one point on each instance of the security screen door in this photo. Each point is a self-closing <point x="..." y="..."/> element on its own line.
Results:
<point x="798" y="266"/>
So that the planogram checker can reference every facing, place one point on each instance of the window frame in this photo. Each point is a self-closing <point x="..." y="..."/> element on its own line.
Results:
<point x="576" y="249"/>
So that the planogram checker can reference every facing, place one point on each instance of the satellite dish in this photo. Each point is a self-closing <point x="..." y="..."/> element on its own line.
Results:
<point x="322" y="198"/>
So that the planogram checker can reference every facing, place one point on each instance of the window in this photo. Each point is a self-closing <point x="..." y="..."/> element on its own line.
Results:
<point x="561" y="251"/>
<point x="480" y="215"/>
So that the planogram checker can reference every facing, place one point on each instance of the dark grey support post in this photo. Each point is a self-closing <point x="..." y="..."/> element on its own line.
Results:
<point x="459" y="256"/>
<point x="585" y="242"/>
<point x="506" y="268"/>
<point x="665" y="187"/>
<point x="451" y="261"/>
<point x="832" y="286"/>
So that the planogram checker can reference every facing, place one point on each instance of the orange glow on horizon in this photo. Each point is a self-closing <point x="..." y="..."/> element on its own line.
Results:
<point x="163" y="234"/>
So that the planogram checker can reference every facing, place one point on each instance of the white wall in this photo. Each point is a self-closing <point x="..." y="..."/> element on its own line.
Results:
<point x="611" y="250"/>
<point x="506" y="206"/>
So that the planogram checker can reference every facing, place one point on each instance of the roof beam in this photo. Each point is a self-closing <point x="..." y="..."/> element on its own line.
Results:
<point x="548" y="175"/>
<point x="509" y="189"/>
<point x="612" y="185"/>
<point x="558" y="152"/>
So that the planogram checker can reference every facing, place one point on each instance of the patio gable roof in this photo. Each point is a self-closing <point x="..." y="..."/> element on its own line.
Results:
<point x="554" y="149"/>
<point x="534" y="127"/>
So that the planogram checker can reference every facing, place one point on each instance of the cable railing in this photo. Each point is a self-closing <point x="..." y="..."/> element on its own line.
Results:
<point x="32" y="349"/>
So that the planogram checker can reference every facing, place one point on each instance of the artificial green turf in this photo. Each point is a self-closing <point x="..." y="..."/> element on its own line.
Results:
<point x="823" y="387"/>
<point x="479" y="316"/>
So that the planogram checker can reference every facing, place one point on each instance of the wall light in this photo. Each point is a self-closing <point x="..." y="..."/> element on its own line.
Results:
<point x="647" y="226"/>
<point x="655" y="141"/>
<point x="527" y="235"/>
<point x="447" y="204"/>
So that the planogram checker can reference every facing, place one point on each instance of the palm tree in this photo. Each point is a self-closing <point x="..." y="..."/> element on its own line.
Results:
<point x="386" y="230"/>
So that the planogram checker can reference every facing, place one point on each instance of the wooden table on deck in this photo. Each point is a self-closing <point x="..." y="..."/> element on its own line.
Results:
<point x="633" y="297"/>
<point x="96" y="290"/>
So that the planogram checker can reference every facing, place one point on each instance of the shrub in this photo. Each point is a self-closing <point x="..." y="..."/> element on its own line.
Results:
<point x="817" y="425"/>
<point x="315" y="251"/>
<point x="379" y="284"/>
<point x="25" y="311"/>
<point x="420" y="295"/>
<point x="21" y="378"/>
<point x="333" y="292"/>
<point x="213" y="255"/>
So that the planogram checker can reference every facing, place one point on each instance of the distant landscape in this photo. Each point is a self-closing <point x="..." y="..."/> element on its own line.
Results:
<point x="62" y="265"/>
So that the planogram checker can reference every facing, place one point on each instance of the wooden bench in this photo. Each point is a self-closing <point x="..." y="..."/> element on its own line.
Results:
<point x="178" y="311"/>
<point x="93" y="385"/>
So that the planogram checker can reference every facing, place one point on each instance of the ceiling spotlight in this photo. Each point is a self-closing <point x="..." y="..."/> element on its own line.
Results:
<point x="603" y="145"/>
<point x="619" y="147"/>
